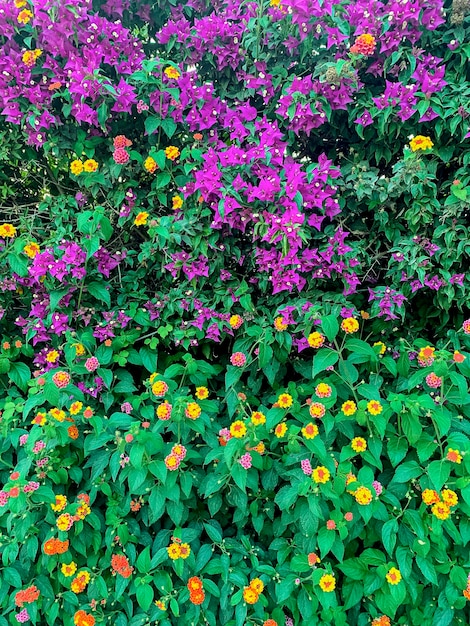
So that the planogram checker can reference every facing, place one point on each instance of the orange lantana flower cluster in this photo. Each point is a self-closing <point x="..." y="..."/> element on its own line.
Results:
<point x="196" y="590"/>
<point x="120" y="565"/>
<point x="55" y="546"/>
<point x="26" y="596"/>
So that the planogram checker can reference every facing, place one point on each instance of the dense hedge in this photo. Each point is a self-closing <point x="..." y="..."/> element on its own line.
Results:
<point x="233" y="318"/>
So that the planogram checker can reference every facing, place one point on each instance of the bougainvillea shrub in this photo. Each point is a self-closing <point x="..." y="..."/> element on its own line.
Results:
<point x="235" y="340"/>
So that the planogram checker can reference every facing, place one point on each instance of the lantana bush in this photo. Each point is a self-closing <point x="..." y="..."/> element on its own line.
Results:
<point x="234" y="323"/>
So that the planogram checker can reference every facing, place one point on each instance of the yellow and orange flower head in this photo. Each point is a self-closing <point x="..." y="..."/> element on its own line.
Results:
<point x="238" y="429"/>
<point x="317" y="410"/>
<point x="59" y="504"/>
<point x="192" y="410"/>
<point x="141" y="218"/>
<point x="374" y="407"/>
<point x="185" y="550"/>
<point x="258" y="418"/>
<point x="393" y="576"/>
<point x="349" y="407"/>
<point x="172" y="153"/>
<point x="174" y="551"/>
<point x="441" y="510"/>
<point x="80" y="581"/>
<point x="454" y="456"/>
<point x="160" y="605"/>
<point x="430" y="496"/>
<point x="39" y="419"/>
<point x="280" y="430"/>
<point x="79" y="349"/>
<point x="327" y="583"/>
<point x="76" y="167"/>
<point x="257" y="585"/>
<point x="194" y="584"/>
<point x="285" y="400"/>
<point x="235" y="321"/>
<point x="310" y="431"/>
<point x="76" y="407"/>
<point x="172" y="72"/>
<point x="7" y="231"/>
<point x="313" y="559"/>
<point x="359" y="444"/>
<point x="383" y="347"/>
<point x="202" y="393"/>
<point x="449" y="497"/>
<point x="250" y="595"/>
<point x="323" y="390"/>
<point x="68" y="569"/>
<point x="350" y="325"/>
<point x="64" y="522"/>
<point x="31" y="249"/>
<point x="24" y="16"/>
<point x="420" y="142"/>
<point x="426" y="356"/>
<point x="52" y="356"/>
<point x="57" y="414"/>
<point x="315" y="340"/>
<point x="164" y="411"/>
<point x="320" y="474"/>
<point x="159" y="388"/>
<point x="363" y="496"/>
<point x="90" y="165"/>
<point x="176" y="203"/>
<point x="82" y="618"/>
<point x="279" y="324"/>
<point x="150" y="165"/>
<point x="83" y="510"/>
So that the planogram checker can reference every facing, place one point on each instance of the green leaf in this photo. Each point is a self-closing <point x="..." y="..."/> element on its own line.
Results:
<point x="20" y="374"/>
<point x="204" y="555"/>
<point x="411" y="427"/>
<point x="427" y="568"/>
<point x="239" y="475"/>
<point x="99" y="291"/>
<point x="145" y="596"/>
<point x="389" y="535"/>
<point x="265" y="354"/>
<point x="325" y="540"/>
<point x="349" y="372"/>
<point x="355" y="569"/>
<point x="438" y="472"/>
<point x="330" y="326"/>
<point x="143" y="561"/>
<point x="18" y="265"/>
<point x="361" y="347"/>
<point x="151" y="124"/>
<point x="323" y="358"/>
<point x="286" y="497"/>
<point x="407" y="471"/>
<point x="232" y="376"/>
<point x="397" y="449"/>
<point x="169" y="127"/>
